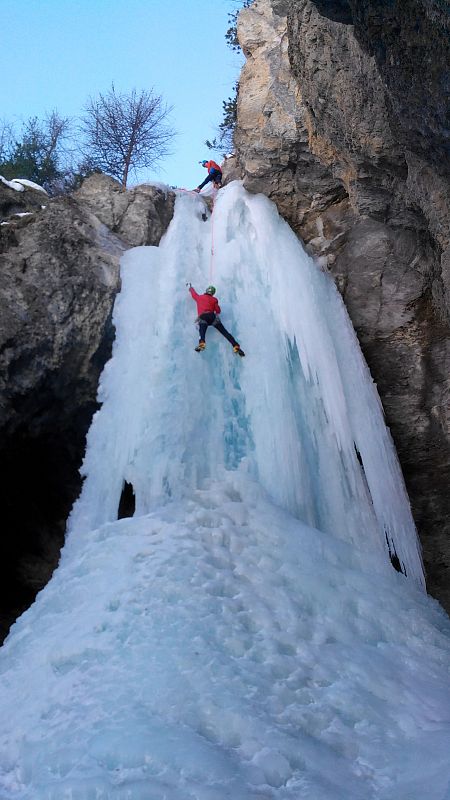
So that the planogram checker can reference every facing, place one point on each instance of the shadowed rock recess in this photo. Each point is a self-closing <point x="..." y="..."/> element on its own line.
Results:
<point x="60" y="275"/>
<point x="343" y="121"/>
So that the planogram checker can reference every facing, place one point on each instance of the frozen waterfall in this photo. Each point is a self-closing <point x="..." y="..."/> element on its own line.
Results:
<point x="295" y="415"/>
<point x="244" y="635"/>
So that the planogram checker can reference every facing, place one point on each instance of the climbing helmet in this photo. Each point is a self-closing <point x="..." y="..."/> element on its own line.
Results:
<point x="210" y="290"/>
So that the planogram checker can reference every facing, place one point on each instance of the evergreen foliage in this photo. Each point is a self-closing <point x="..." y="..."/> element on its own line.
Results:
<point x="118" y="133"/>
<point x="231" y="34"/>
<point x="39" y="153"/>
<point x="224" y="140"/>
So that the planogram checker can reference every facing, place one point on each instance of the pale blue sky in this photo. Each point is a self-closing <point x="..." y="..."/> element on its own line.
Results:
<point x="55" y="53"/>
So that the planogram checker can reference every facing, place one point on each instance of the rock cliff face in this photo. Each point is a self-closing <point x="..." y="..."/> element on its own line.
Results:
<point x="342" y="122"/>
<point x="60" y="275"/>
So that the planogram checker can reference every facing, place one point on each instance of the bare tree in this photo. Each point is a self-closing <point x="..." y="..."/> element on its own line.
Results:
<point x="125" y="132"/>
<point x="6" y="139"/>
<point x="57" y="129"/>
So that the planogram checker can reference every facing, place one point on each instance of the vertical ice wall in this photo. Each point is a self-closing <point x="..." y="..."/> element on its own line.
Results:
<point x="300" y="413"/>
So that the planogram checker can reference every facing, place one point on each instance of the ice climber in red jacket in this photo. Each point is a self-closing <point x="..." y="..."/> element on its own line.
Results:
<point x="214" y="175"/>
<point x="208" y="310"/>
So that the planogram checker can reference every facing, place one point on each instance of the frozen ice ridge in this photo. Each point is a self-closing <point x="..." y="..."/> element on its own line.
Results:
<point x="244" y="636"/>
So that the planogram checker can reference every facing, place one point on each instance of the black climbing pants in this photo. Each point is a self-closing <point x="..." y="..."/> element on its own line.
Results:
<point x="205" y="320"/>
<point x="214" y="176"/>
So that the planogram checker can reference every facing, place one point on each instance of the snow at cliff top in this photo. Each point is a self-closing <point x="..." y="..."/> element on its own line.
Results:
<point x="19" y="184"/>
<point x="244" y="636"/>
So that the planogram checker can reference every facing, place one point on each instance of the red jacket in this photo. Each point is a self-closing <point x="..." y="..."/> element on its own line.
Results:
<point x="212" y="165"/>
<point x="206" y="303"/>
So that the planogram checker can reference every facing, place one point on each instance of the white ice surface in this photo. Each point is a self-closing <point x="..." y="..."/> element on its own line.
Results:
<point x="294" y="410"/>
<point x="209" y="190"/>
<point x="244" y="635"/>
<point x="218" y="648"/>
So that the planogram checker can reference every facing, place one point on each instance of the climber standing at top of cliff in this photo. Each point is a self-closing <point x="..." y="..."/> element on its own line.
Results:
<point x="208" y="310"/>
<point x="214" y="175"/>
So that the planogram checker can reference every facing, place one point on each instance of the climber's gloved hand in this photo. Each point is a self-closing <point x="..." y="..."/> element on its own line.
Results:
<point x="189" y="285"/>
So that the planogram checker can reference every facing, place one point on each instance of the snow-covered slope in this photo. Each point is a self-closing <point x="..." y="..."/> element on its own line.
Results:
<point x="244" y="635"/>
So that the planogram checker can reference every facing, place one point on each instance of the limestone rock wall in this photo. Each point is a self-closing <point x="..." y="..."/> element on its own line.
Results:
<point x="60" y="275"/>
<point x="342" y="122"/>
<point x="138" y="216"/>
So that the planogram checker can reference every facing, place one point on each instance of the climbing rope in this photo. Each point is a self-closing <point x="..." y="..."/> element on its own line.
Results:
<point x="211" y="260"/>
